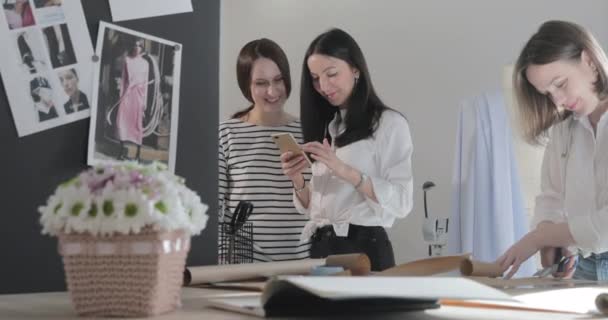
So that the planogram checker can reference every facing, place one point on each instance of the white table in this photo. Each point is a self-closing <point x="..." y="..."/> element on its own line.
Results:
<point x="57" y="305"/>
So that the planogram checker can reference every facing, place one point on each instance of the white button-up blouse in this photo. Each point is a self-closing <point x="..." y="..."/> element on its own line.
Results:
<point x="386" y="158"/>
<point x="574" y="182"/>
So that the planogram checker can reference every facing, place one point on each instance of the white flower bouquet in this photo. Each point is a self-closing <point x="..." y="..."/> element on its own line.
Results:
<point x="123" y="198"/>
<point x="124" y="234"/>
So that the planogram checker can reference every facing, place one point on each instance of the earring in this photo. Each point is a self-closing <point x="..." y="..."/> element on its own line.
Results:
<point x="356" y="80"/>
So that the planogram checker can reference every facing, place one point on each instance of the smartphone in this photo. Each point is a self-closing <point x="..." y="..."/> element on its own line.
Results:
<point x="286" y="142"/>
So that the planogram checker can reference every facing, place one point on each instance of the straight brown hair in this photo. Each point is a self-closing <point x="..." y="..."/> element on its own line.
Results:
<point x="253" y="50"/>
<point x="554" y="40"/>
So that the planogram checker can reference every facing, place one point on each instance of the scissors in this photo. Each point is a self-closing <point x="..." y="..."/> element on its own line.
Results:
<point x="558" y="266"/>
<point x="240" y="216"/>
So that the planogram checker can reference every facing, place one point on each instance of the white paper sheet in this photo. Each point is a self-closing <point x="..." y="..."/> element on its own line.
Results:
<point x="247" y="303"/>
<point x="578" y="300"/>
<point x="398" y="287"/>
<point x="137" y="9"/>
<point x="136" y="97"/>
<point x="569" y="300"/>
<point x="45" y="63"/>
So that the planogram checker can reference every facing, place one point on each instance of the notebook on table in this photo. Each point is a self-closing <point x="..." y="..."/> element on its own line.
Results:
<point x="327" y="295"/>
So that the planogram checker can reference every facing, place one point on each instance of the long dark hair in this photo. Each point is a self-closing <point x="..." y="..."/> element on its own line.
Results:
<point x="554" y="40"/>
<point x="364" y="106"/>
<point x="253" y="50"/>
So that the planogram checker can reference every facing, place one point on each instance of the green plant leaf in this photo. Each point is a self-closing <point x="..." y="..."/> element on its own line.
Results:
<point x="69" y="182"/>
<point x="161" y="206"/>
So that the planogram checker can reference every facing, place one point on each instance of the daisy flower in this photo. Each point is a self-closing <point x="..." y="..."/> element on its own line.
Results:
<point x="123" y="198"/>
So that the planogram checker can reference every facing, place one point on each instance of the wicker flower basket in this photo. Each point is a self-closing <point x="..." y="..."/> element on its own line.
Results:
<point x="130" y="275"/>
<point x="108" y="220"/>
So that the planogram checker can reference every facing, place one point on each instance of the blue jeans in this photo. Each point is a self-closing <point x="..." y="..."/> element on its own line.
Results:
<point x="594" y="267"/>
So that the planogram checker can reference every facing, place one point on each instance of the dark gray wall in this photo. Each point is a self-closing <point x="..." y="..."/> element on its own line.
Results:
<point x="31" y="167"/>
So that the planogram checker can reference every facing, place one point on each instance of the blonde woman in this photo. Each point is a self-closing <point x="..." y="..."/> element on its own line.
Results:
<point x="561" y="86"/>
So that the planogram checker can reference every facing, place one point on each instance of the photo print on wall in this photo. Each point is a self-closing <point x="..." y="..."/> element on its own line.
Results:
<point x="135" y="103"/>
<point x="46" y="67"/>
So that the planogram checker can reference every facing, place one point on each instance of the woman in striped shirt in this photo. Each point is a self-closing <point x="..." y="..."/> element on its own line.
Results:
<point x="249" y="161"/>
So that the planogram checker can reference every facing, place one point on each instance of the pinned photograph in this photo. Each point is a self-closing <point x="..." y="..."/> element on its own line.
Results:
<point x="135" y="104"/>
<point x="76" y="100"/>
<point x="47" y="3"/>
<point x="46" y="69"/>
<point x="18" y="13"/>
<point x="31" y="57"/>
<point x="59" y="45"/>
<point x="42" y="98"/>
<point x="49" y="11"/>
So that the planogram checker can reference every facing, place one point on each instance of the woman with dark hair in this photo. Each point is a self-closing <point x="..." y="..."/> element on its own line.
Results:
<point x="561" y="84"/>
<point x="249" y="165"/>
<point x="77" y="100"/>
<point x="362" y="175"/>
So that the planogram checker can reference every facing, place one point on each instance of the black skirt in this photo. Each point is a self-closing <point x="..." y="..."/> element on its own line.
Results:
<point x="372" y="241"/>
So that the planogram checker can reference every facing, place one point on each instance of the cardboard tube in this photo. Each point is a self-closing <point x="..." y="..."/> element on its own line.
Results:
<point x="358" y="264"/>
<point x="426" y="267"/>
<point x="469" y="267"/>
<point x="438" y="265"/>
<point x="248" y="271"/>
<point x="601" y="302"/>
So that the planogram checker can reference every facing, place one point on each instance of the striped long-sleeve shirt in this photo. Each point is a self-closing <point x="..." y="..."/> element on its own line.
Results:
<point x="250" y="169"/>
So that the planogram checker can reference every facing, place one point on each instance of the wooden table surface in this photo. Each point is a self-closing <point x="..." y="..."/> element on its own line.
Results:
<point x="57" y="305"/>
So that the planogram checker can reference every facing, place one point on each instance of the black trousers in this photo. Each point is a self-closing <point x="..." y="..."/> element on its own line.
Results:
<point x="372" y="241"/>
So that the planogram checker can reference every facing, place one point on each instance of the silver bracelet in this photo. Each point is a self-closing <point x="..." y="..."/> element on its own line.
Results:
<point x="363" y="177"/>
<point x="296" y="188"/>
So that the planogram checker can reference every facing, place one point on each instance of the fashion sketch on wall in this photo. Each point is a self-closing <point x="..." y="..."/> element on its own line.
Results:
<point x="46" y="63"/>
<point x="136" y="98"/>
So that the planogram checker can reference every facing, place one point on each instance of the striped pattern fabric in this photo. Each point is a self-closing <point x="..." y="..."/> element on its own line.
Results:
<point x="250" y="169"/>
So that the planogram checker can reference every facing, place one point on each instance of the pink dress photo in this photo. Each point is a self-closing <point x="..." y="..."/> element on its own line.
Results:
<point x="28" y="17"/>
<point x="134" y="90"/>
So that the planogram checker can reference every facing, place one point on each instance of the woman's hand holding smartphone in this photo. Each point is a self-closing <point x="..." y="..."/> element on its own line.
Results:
<point x="293" y="160"/>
